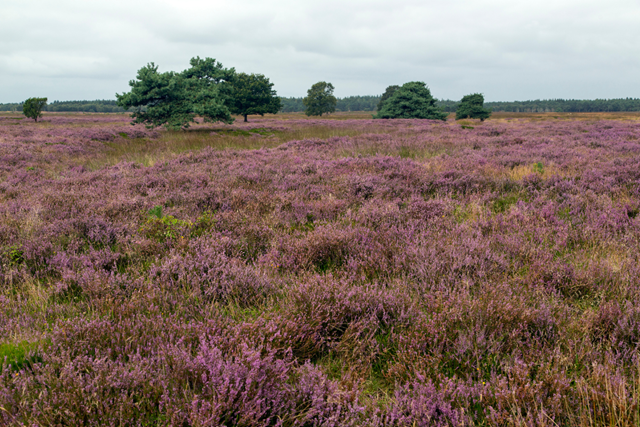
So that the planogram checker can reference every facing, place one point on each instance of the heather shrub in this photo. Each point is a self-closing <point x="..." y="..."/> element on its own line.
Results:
<point x="253" y="242"/>
<point x="339" y="272"/>
<point x="205" y="272"/>
<point x="322" y="249"/>
<point x="475" y="338"/>
<point x="249" y="389"/>
<point x="191" y="380"/>
<point x="617" y="327"/>
<point x="333" y="308"/>
<point x="327" y="248"/>
<point x="421" y="404"/>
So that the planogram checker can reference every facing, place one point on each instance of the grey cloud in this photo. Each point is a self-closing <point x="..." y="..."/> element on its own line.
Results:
<point x="508" y="50"/>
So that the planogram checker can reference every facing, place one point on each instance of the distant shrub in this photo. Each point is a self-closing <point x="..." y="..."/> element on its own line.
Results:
<point x="412" y="100"/>
<point x="320" y="99"/>
<point x="471" y="106"/>
<point x="32" y="107"/>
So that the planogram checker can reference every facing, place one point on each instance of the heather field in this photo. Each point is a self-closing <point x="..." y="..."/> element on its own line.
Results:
<point x="320" y="272"/>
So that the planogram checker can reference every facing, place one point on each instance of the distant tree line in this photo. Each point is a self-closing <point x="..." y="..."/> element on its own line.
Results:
<point x="370" y="103"/>
<point x="349" y="103"/>
<point x="96" y="106"/>
<point x="555" y="105"/>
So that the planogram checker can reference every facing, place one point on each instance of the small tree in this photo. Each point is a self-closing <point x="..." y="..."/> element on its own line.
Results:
<point x="253" y="94"/>
<point x="175" y="99"/>
<point x="386" y="95"/>
<point x="320" y="99"/>
<point x="472" y="106"/>
<point x="32" y="107"/>
<point x="412" y="100"/>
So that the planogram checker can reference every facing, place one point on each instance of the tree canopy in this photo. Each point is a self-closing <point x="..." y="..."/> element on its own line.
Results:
<point x="175" y="99"/>
<point x="386" y="95"/>
<point x="471" y="106"/>
<point x="412" y="100"/>
<point x="320" y="99"/>
<point x="253" y="94"/>
<point x="32" y="107"/>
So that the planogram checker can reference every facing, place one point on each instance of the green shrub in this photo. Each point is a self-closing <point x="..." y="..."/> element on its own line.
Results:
<point x="32" y="107"/>
<point x="164" y="227"/>
<point x="412" y="100"/>
<point x="471" y="106"/>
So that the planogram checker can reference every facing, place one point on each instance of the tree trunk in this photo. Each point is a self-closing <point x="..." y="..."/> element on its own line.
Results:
<point x="245" y="118"/>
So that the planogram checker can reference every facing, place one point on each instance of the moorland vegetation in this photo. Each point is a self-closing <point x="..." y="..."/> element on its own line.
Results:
<point x="301" y="271"/>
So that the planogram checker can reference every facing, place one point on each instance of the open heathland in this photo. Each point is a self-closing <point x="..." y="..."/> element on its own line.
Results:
<point x="340" y="271"/>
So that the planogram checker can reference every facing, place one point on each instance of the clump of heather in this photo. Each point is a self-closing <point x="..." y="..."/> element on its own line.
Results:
<point x="340" y="272"/>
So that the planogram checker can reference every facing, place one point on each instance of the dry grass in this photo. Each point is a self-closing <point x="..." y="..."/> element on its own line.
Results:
<point x="172" y="143"/>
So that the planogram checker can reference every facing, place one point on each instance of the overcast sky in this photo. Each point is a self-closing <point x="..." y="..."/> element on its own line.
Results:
<point x="506" y="49"/>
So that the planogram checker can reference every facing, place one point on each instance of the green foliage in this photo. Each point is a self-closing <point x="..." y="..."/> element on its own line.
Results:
<point x="471" y="106"/>
<point x="167" y="227"/>
<point x="156" y="212"/>
<point x="538" y="168"/>
<point x="164" y="227"/>
<point x="18" y="356"/>
<point x="32" y="107"/>
<point x="320" y="99"/>
<point x="503" y="204"/>
<point x="253" y="94"/>
<point x="15" y="255"/>
<point x="412" y="100"/>
<point x="386" y="95"/>
<point x="203" y="224"/>
<point x="175" y="99"/>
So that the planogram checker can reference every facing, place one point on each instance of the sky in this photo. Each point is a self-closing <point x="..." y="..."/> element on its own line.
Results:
<point x="506" y="49"/>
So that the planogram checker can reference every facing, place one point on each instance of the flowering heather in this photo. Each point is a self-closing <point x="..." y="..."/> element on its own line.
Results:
<point x="293" y="272"/>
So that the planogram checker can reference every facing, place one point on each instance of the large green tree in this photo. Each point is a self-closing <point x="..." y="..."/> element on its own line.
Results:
<point x="386" y="95"/>
<point x="412" y="100"/>
<point x="32" y="107"/>
<point x="320" y="99"/>
<point x="472" y="106"/>
<point x="175" y="99"/>
<point x="253" y="94"/>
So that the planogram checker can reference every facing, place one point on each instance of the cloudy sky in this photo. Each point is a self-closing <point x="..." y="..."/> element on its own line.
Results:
<point x="506" y="49"/>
